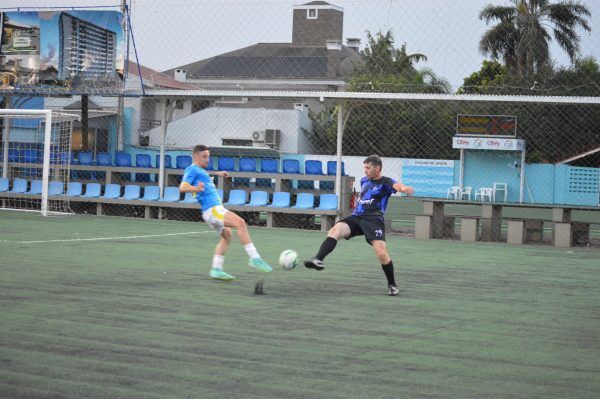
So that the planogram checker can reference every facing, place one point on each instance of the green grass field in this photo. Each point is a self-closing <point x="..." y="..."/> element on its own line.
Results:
<point x="105" y="307"/>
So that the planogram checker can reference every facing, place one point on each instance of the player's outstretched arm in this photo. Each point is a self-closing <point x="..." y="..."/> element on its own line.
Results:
<point x="408" y="190"/>
<point x="186" y="187"/>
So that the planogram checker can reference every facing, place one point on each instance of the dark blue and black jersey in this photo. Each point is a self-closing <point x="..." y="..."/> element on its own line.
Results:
<point x="374" y="195"/>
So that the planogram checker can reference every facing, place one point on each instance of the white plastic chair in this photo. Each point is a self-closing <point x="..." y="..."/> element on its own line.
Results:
<point x="500" y="190"/>
<point x="466" y="192"/>
<point x="453" y="193"/>
<point x="484" y="192"/>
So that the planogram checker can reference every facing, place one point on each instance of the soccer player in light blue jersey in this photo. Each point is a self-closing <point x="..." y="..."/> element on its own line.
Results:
<point x="195" y="180"/>
<point x="366" y="219"/>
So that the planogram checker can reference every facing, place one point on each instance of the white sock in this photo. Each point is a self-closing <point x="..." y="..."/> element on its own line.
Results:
<point x="251" y="251"/>
<point x="218" y="261"/>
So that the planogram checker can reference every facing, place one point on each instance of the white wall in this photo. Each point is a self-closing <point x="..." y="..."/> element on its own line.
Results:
<point x="211" y="125"/>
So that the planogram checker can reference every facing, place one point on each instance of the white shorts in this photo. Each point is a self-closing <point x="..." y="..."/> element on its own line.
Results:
<point x="215" y="217"/>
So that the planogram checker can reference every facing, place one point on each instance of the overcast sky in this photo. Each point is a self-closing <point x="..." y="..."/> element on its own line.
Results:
<point x="177" y="32"/>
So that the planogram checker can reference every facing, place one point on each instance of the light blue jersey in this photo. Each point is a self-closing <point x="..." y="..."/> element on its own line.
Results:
<point x="208" y="198"/>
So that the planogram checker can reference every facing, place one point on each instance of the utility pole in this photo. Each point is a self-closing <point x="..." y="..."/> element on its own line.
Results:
<point x="120" y="99"/>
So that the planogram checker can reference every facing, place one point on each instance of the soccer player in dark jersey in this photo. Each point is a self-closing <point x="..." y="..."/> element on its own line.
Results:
<point x="367" y="219"/>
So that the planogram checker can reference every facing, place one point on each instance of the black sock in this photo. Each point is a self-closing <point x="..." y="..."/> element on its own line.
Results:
<point x="389" y="272"/>
<point x="326" y="247"/>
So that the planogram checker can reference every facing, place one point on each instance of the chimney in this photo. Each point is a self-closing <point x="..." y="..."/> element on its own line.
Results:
<point x="353" y="43"/>
<point x="334" y="54"/>
<point x="180" y="75"/>
<point x="333" y="44"/>
<point x="316" y="22"/>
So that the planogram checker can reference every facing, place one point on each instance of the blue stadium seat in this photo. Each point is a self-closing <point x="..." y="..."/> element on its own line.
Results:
<point x="328" y="202"/>
<point x="226" y="164"/>
<point x="30" y="155"/>
<point x="269" y="165"/>
<point x="183" y="161"/>
<point x="13" y="155"/>
<point x="171" y="194"/>
<point x="3" y="184"/>
<point x="122" y="159"/>
<point x="132" y="192"/>
<point x="167" y="161"/>
<point x="236" y="197"/>
<point x="281" y="199"/>
<point x="143" y="161"/>
<point x="313" y="167"/>
<point x="247" y="165"/>
<point x="151" y="193"/>
<point x="104" y="159"/>
<point x="19" y="186"/>
<point x="189" y="198"/>
<point x="74" y="189"/>
<point x="332" y="166"/>
<point x="111" y="191"/>
<point x="331" y="170"/>
<point x="56" y="188"/>
<point x="85" y="158"/>
<point x="36" y="188"/>
<point x="59" y="158"/>
<point x="291" y="166"/>
<point x="92" y="190"/>
<point x="305" y="201"/>
<point x="258" y="198"/>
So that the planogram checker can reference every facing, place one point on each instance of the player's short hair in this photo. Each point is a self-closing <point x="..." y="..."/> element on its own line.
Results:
<point x="374" y="160"/>
<point x="199" y="148"/>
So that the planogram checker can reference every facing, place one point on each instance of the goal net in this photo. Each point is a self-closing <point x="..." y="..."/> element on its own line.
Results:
<point x="35" y="154"/>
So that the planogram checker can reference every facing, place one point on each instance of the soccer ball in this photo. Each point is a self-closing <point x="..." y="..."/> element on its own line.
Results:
<point x="288" y="259"/>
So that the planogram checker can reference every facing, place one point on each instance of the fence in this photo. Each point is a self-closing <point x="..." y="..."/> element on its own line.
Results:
<point x="296" y="90"/>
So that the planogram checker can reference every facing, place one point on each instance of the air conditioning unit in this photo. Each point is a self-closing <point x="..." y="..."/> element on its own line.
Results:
<point x="270" y="137"/>
<point x="258" y="136"/>
<point x="273" y="138"/>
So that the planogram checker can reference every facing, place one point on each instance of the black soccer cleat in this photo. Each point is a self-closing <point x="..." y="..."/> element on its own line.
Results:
<point x="393" y="290"/>
<point x="314" y="264"/>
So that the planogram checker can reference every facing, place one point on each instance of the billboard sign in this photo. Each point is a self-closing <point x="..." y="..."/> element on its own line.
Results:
<point x="488" y="143"/>
<point x="486" y="125"/>
<point x="68" y="49"/>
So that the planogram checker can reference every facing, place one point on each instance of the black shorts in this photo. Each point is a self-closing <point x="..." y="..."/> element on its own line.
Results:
<point x="371" y="226"/>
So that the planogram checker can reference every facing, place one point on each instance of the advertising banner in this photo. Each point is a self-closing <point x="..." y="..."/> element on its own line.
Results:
<point x="68" y="49"/>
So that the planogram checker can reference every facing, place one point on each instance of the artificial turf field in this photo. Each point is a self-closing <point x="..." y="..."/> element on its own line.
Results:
<point x="106" y="307"/>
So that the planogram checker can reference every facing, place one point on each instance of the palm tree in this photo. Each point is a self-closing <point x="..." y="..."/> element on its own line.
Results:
<point x="522" y="34"/>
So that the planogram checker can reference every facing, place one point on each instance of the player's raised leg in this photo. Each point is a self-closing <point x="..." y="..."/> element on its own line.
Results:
<point x="216" y="271"/>
<point x="235" y="221"/>
<point x="386" y="264"/>
<point x="339" y="230"/>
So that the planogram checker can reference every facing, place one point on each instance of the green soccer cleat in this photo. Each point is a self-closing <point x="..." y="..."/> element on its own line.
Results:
<point x="220" y="275"/>
<point x="260" y="264"/>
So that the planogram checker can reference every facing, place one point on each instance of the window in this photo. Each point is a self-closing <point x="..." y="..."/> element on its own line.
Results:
<point x="312" y="13"/>
<point x="179" y="104"/>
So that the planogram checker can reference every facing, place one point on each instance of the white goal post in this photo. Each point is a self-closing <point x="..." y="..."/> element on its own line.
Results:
<point x="35" y="151"/>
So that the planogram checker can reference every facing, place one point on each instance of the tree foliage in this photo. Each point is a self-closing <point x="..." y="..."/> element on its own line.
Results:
<point x="524" y="29"/>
